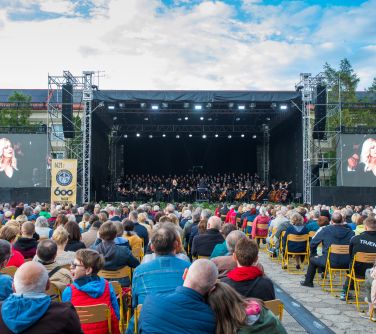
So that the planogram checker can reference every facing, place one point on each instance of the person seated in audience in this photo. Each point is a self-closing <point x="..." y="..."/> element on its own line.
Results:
<point x="10" y="234"/>
<point x="52" y="219"/>
<point x="74" y="239"/>
<point x="60" y="220"/>
<point x="322" y="222"/>
<point x="84" y="224"/>
<point x="5" y="280"/>
<point x="221" y="249"/>
<point x="189" y="313"/>
<point x="247" y="278"/>
<point x="262" y="219"/>
<point x="134" y="240"/>
<point x="89" y="237"/>
<point x="227" y="263"/>
<point x="140" y="230"/>
<point x="312" y="224"/>
<point x="336" y="233"/>
<point x="186" y="216"/>
<point x="46" y="254"/>
<point x="26" y="244"/>
<point x="297" y="227"/>
<point x="188" y="228"/>
<point x="116" y="215"/>
<point x="203" y="244"/>
<point x="60" y="236"/>
<point x="235" y="314"/>
<point x="90" y="289"/>
<point x="365" y="242"/>
<point x="115" y="256"/>
<point x="360" y="225"/>
<point x="120" y="240"/>
<point x="30" y="310"/>
<point x="205" y="214"/>
<point x="43" y="228"/>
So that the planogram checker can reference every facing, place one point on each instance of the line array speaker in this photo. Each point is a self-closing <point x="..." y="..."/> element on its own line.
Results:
<point x="67" y="110"/>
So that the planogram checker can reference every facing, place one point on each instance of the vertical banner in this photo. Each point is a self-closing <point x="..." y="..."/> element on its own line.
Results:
<point x="64" y="180"/>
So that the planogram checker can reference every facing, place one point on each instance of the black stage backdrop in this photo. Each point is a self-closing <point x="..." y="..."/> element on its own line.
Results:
<point x="180" y="156"/>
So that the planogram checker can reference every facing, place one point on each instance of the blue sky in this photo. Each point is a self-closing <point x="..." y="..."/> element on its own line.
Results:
<point x="185" y="44"/>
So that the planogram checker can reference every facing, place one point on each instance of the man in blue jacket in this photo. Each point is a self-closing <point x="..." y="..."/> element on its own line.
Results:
<point x="183" y="311"/>
<point x="337" y="233"/>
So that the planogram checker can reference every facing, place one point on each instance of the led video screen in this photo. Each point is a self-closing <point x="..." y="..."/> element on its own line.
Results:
<point x="23" y="160"/>
<point x="357" y="154"/>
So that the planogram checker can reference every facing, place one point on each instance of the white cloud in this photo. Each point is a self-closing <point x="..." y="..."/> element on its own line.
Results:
<point x="141" y="46"/>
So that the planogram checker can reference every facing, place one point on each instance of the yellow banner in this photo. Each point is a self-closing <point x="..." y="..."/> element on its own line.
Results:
<point x="64" y="180"/>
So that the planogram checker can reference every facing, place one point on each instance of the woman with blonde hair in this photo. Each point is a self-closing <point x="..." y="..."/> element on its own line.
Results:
<point x="368" y="155"/>
<point x="8" y="162"/>
<point x="61" y="237"/>
<point x="236" y="315"/>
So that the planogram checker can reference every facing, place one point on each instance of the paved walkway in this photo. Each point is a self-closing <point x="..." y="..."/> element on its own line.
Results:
<point x="342" y="318"/>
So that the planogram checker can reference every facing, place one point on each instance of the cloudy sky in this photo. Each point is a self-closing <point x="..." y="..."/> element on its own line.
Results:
<point x="184" y="44"/>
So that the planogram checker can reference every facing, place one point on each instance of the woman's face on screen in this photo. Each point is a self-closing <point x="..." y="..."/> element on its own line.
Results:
<point x="7" y="150"/>
<point x="372" y="151"/>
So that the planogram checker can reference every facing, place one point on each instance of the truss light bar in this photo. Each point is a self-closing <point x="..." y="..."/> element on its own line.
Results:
<point x="254" y="137"/>
<point x="201" y="118"/>
<point x="186" y="118"/>
<point x="164" y="135"/>
<point x="198" y="107"/>
<point x="229" y="136"/>
<point x="242" y="135"/>
<point x="204" y="136"/>
<point x="111" y="107"/>
<point x="241" y="107"/>
<point x="283" y="107"/>
<point x="137" y="135"/>
<point x="154" y="107"/>
<point x="150" y="136"/>
<point x="177" y="136"/>
<point x="216" y="135"/>
<point x="190" y="135"/>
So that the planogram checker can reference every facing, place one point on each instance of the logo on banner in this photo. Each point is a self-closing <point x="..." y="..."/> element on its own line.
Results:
<point x="64" y="177"/>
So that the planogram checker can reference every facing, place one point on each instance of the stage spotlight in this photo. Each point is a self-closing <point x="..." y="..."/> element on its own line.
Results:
<point x="186" y="105"/>
<point x="283" y="107"/>
<point x="241" y="107"/>
<point x="208" y="105"/>
<point x="179" y="119"/>
<point x="190" y="135"/>
<point x="210" y="119"/>
<point x="111" y="107"/>
<point x="201" y="118"/>
<point x="237" y="119"/>
<point x="274" y="105"/>
<point x="216" y="135"/>
<point x="252" y="105"/>
<point x="114" y="118"/>
<point x="231" y="105"/>
<point x="146" y="118"/>
<point x="254" y="136"/>
<point x="125" y="136"/>
<point x="186" y="118"/>
<point x="229" y="136"/>
<point x="143" y="105"/>
<point x="164" y="136"/>
<point x="198" y="107"/>
<point x="177" y="136"/>
<point x="242" y="135"/>
<point x="204" y="136"/>
<point x="137" y="135"/>
<point x="164" y="105"/>
<point x="121" y="105"/>
<point x="154" y="107"/>
<point x="150" y="136"/>
<point x="267" y="118"/>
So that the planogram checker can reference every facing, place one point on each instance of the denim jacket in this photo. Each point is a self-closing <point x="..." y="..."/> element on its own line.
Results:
<point x="161" y="275"/>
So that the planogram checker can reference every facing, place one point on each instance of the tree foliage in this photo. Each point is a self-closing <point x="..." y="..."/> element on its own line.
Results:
<point x="19" y="112"/>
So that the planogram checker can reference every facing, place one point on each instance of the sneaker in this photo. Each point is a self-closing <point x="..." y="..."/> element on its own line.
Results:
<point x="307" y="284"/>
<point x="342" y="296"/>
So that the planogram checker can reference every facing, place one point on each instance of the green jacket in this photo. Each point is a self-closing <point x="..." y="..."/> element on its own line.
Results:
<point x="268" y="323"/>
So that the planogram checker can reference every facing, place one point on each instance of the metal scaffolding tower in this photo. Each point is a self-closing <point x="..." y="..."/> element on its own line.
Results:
<point x="79" y="147"/>
<point x="265" y="153"/>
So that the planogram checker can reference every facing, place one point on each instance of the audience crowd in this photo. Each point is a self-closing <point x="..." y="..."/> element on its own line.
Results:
<point x="191" y="270"/>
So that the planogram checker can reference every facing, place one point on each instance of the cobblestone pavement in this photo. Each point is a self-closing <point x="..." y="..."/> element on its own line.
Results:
<point x="342" y="318"/>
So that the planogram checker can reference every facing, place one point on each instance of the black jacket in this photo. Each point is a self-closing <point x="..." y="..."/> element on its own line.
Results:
<point x="74" y="246"/>
<point x="262" y="288"/>
<point x="364" y="242"/>
<point x="203" y="244"/>
<point x="333" y="235"/>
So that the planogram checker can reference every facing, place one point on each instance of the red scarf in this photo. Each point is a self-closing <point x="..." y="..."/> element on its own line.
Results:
<point x="244" y="273"/>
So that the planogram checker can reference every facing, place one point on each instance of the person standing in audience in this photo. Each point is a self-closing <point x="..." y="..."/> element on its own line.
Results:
<point x="115" y="256"/>
<point x="5" y="280"/>
<point x="189" y="313"/>
<point x="30" y="310"/>
<point x="90" y="289"/>
<point x="203" y="244"/>
<point x="336" y="233"/>
<point x="26" y="244"/>
<point x="248" y="278"/>
<point x="10" y="234"/>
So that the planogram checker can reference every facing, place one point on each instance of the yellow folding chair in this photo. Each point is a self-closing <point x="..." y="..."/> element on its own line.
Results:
<point x="271" y="242"/>
<point x="54" y="292"/>
<point x="138" y="253"/>
<point x="311" y="234"/>
<point x="249" y="225"/>
<point x="94" y="313"/>
<point x="331" y="271"/>
<point x="360" y="257"/>
<point x="9" y="270"/>
<point x="280" y="255"/>
<point x="136" y="316"/>
<point x="111" y="275"/>
<point x="119" y="295"/>
<point x="287" y="253"/>
<point x="276" y="306"/>
<point x="261" y="227"/>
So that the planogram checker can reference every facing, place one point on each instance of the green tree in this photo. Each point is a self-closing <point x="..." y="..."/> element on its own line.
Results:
<point x="372" y="88"/>
<point x="19" y="112"/>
